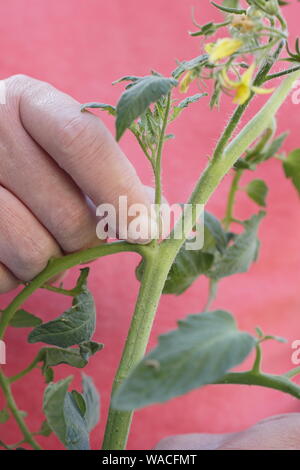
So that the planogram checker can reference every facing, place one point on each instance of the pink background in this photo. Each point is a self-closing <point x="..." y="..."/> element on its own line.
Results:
<point x="81" y="46"/>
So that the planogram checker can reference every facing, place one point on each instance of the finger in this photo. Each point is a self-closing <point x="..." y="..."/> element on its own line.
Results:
<point x="8" y="281"/>
<point x="25" y="245"/>
<point x="34" y="177"/>
<point x="192" y="442"/>
<point x="280" y="432"/>
<point x="81" y="145"/>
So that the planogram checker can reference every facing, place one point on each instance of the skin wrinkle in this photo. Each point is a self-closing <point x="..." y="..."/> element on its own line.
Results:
<point x="53" y="157"/>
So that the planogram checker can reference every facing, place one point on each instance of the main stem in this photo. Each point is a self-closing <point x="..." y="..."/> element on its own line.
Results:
<point x="163" y="255"/>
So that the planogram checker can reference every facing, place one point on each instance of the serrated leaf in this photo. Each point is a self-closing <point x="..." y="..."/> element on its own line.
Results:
<point x="24" y="319"/>
<point x="136" y="99"/>
<point x="238" y="257"/>
<point x="199" y="352"/>
<point x="185" y="103"/>
<point x="92" y="400"/>
<point x="291" y="166"/>
<point x="74" y="326"/>
<point x="257" y="190"/>
<point x="4" y="416"/>
<point x="213" y="229"/>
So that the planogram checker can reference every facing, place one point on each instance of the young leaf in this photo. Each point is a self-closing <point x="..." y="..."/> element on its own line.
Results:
<point x="185" y="103"/>
<point x="198" y="61"/>
<point x="92" y="401"/>
<point x="291" y="166"/>
<point x="77" y="435"/>
<point x="53" y="406"/>
<point x="274" y="147"/>
<point x="136" y="99"/>
<point x="73" y="327"/>
<point x="80" y="401"/>
<point x="199" y="352"/>
<point x="23" y="319"/>
<point x="257" y="190"/>
<point x="238" y="257"/>
<point x="64" y="416"/>
<point x="105" y="107"/>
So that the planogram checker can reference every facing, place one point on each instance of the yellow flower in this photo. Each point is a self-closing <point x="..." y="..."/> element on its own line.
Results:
<point x="186" y="80"/>
<point x="222" y="48"/>
<point x="244" y="87"/>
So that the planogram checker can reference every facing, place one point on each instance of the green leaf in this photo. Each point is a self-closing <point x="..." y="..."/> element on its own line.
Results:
<point x="75" y="357"/>
<point x="64" y="415"/>
<point x="74" y="326"/>
<point x="80" y="402"/>
<point x="53" y="406"/>
<point x="136" y="99"/>
<point x="92" y="401"/>
<point x="198" y="61"/>
<point x="199" y="352"/>
<point x="230" y="6"/>
<point x="77" y="435"/>
<point x="105" y="107"/>
<point x="214" y="233"/>
<point x="257" y="190"/>
<point x="238" y="257"/>
<point x="274" y="147"/>
<point x="185" y="103"/>
<point x="4" y="416"/>
<point x="23" y="319"/>
<point x="291" y="166"/>
<point x="45" y="429"/>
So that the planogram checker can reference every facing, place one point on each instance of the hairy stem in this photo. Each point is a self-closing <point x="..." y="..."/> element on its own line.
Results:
<point x="231" y="199"/>
<point x="276" y="382"/>
<point x="58" y="265"/>
<point x="11" y="404"/>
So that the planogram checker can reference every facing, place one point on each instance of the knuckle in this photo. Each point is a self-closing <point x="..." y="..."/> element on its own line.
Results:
<point x="34" y="256"/>
<point x="75" y="136"/>
<point x="76" y="227"/>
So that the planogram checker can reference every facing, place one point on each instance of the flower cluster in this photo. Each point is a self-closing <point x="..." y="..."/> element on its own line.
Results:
<point x="252" y="35"/>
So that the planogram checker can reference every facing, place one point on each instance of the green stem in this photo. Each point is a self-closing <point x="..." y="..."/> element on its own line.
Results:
<point x="162" y="256"/>
<point x="293" y="372"/>
<point x="282" y="73"/>
<point x="212" y="292"/>
<point x="276" y="382"/>
<point x="25" y="371"/>
<point x="156" y="270"/>
<point x="4" y="383"/>
<point x="56" y="266"/>
<point x="158" y="188"/>
<point x="256" y="369"/>
<point x="231" y="198"/>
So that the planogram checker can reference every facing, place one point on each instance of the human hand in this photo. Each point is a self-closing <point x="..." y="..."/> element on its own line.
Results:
<point x="280" y="432"/>
<point x="52" y="157"/>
